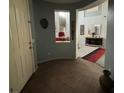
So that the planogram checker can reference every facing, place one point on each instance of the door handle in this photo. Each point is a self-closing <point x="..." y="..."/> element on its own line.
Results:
<point x="30" y="47"/>
<point x="30" y="43"/>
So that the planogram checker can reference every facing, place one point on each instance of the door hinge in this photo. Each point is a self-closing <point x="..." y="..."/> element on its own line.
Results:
<point x="29" y="21"/>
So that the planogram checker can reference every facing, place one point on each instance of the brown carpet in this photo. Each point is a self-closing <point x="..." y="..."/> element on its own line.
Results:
<point x="65" y="76"/>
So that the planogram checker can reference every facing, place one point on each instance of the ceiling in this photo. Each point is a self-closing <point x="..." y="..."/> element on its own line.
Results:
<point x="63" y="1"/>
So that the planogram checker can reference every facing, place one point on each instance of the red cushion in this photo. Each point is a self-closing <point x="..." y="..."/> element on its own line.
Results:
<point x="61" y="34"/>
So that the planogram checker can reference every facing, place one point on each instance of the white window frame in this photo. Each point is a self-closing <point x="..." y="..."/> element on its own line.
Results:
<point x="58" y="27"/>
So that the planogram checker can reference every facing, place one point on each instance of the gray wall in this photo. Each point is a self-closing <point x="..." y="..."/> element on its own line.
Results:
<point x="109" y="61"/>
<point x="46" y="47"/>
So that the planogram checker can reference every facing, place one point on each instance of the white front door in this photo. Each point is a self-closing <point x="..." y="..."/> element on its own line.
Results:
<point x="21" y="52"/>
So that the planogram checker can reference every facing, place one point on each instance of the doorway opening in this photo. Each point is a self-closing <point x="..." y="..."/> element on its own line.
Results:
<point x="91" y="29"/>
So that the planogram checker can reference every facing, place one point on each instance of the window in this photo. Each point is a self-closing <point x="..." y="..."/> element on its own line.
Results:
<point x="62" y="26"/>
<point x="94" y="11"/>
